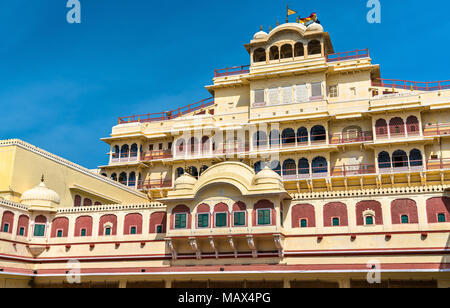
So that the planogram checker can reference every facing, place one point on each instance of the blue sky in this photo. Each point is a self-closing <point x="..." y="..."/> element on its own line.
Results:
<point x="63" y="86"/>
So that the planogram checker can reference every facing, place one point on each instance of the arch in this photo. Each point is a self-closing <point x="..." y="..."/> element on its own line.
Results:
<point x="158" y="219"/>
<point x="318" y="133"/>
<point x="438" y="206"/>
<point x="107" y="219"/>
<point x="181" y="209"/>
<point x="221" y="208"/>
<point x="87" y="202"/>
<point x="179" y="172"/>
<point x="123" y="178"/>
<point x="132" y="221"/>
<point x="299" y="50"/>
<point x="60" y="224"/>
<point x="302" y="135"/>
<point x="402" y="207"/>
<point x="260" y="139"/>
<point x="303" y="167"/>
<point x="134" y="150"/>
<point x="40" y="226"/>
<point x="193" y="145"/>
<point x="288" y="136"/>
<point x="77" y="201"/>
<point x="258" y="166"/>
<point x="289" y="169"/>
<point x="264" y="205"/>
<point x="286" y="51"/>
<point x="97" y="203"/>
<point x="203" y="169"/>
<point x="259" y="55"/>
<point x="371" y="205"/>
<point x="415" y="158"/>
<point x="381" y="128"/>
<point x="124" y="151"/>
<point x="399" y="159"/>
<point x="319" y="165"/>
<point x="352" y="133"/>
<point x="397" y="127"/>
<point x="274" y="138"/>
<point x="335" y="210"/>
<point x="24" y="222"/>
<point x="384" y="160"/>
<point x="274" y="53"/>
<point x="203" y="209"/>
<point x="303" y="211"/>
<point x="132" y="179"/>
<point x="412" y="126"/>
<point x="239" y="214"/>
<point x="192" y="170"/>
<point x="116" y="151"/>
<point x="314" y="47"/>
<point x="83" y="223"/>
<point x="276" y="166"/>
<point x="7" y="222"/>
<point x="114" y="177"/>
<point x="206" y="144"/>
<point x="180" y="145"/>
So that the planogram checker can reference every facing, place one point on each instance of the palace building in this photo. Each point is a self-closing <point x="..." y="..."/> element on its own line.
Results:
<point x="304" y="169"/>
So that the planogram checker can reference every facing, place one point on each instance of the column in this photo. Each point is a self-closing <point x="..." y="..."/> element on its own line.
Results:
<point x="387" y="219"/>
<point x="422" y="212"/>
<point x="71" y="231"/>
<point x="15" y="226"/>
<point x="351" y="212"/>
<point x="286" y="283"/>
<point x="344" y="283"/>
<point x="123" y="284"/>
<point x="120" y="223"/>
<point x="168" y="283"/>
<point x="319" y="217"/>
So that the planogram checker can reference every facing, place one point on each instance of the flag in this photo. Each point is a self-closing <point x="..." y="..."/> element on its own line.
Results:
<point x="313" y="17"/>
<point x="291" y="12"/>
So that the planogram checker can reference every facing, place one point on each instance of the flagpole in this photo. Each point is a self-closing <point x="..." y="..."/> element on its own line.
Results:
<point x="287" y="14"/>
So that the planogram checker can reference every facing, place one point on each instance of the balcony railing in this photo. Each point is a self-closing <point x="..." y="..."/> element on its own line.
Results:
<point x="168" y="115"/>
<point x="154" y="184"/>
<point x="230" y="71"/>
<point x="439" y="129"/>
<point x="438" y="164"/>
<point x="349" y="170"/>
<point x="400" y="166"/>
<point x="157" y="155"/>
<point x="124" y="158"/>
<point x="411" y="85"/>
<point x="348" y="55"/>
<point x="357" y="137"/>
<point x="398" y="131"/>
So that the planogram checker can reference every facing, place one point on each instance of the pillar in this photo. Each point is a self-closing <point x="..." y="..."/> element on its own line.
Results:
<point x="123" y="284"/>
<point x="344" y="283"/>
<point x="168" y="284"/>
<point x="286" y="283"/>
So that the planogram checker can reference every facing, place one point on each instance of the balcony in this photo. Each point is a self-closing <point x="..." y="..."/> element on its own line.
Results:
<point x="357" y="137"/>
<point x="348" y="55"/>
<point x="351" y="170"/>
<point x="124" y="158"/>
<point x="157" y="155"/>
<point x="231" y="71"/>
<point x="168" y="115"/>
<point x="411" y="85"/>
<point x="440" y="129"/>
<point x="154" y="184"/>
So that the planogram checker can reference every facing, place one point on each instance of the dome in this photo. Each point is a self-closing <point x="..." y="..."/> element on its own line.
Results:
<point x="40" y="198"/>
<point x="292" y="26"/>
<point x="267" y="176"/>
<point x="315" y="27"/>
<point x="260" y="35"/>
<point x="186" y="181"/>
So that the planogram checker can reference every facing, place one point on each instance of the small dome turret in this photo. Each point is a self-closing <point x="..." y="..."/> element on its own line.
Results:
<point x="267" y="176"/>
<point x="186" y="181"/>
<point x="41" y="198"/>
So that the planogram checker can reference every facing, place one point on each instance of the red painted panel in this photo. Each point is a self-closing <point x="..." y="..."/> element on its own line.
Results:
<point x="40" y="219"/>
<point x="158" y="218"/>
<point x="24" y="221"/>
<point x="203" y="208"/>
<point x="8" y="218"/>
<point x="264" y="204"/>
<point x="404" y="207"/>
<point x="83" y="222"/>
<point x="132" y="220"/>
<point x="335" y="210"/>
<point x="221" y="208"/>
<point x="108" y="219"/>
<point x="60" y="223"/>
<point x="436" y="206"/>
<point x="181" y="209"/>
<point x="374" y="206"/>
<point x="303" y="211"/>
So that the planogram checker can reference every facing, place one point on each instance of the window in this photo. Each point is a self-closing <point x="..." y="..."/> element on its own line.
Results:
<point x="59" y="233"/>
<point x="301" y="93"/>
<point x="22" y="231"/>
<point x="274" y="96"/>
<point x="159" y="229"/>
<point x="160" y="146"/>
<point x="39" y="230"/>
<point x="405" y="219"/>
<point x="221" y="220"/>
<point x="5" y="228"/>
<point x="263" y="217"/>
<point x="150" y="147"/>
<point x="180" y="221"/>
<point x="259" y="97"/>
<point x="203" y="220"/>
<point x="316" y="90"/>
<point x="83" y="232"/>
<point x="369" y="220"/>
<point x="303" y="223"/>
<point x="441" y="218"/>
<point x="239" y="219"/>
<point x="170" y="146"/>
<point x="336" y="222"/>
<point x="333" y="91"/>
<point x="107" y="231"/>
<point x="133" y="230"/>
<point x="287" y="95"/>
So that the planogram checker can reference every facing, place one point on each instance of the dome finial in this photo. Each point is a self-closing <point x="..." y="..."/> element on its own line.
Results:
<point x="261" y="27"/>
<point x="42" y="178"/>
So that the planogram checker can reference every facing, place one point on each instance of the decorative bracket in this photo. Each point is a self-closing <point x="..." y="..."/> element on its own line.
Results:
<point x="213" y="245"/>
<point x="252" y="246"/>
<point x="233" y="246"/>
<point x="195" y="247"/>
<point x="279" y="245"/>
<point x="172" y="249"/>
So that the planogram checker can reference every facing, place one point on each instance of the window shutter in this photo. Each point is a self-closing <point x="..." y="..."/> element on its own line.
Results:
<point x="316" y="89"/>
<point x="274" y="96"/>
<point x="287" y="95"/>
<point x="301" y="93"/>
<point x="259" y="97"/>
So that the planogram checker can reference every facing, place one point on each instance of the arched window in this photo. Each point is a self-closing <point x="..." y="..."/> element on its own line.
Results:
<point x="288" y="136"/>
<point x="438" y="210"/>
<point x="303" y="167"/>
<point x="314" y="48"/>
<point x="397" y="127"/>
<point x="206" y="142"/>
<point x="123" y="178"/>
<point x="203" y="169"/>
<point x="274" y="53"/>
<point x="352" y="133"/>
<point x="274" y="138"/>
<point x="400" y="159"/>
<point x="319" y="165"/>
<point x="276" y="166"/>
<point x="260" y="139"/>
<point x="114" y="177"/>
<point x="258" y="166"/>
<point x="318" y="134"/>
<point x="180" y="172"/>
<point x="180" y="145"/>
<point x="193" y="171"/>
<point x="412" y="126"/>
<point x="369" y="220"/>
<point x="302" y="135"/>
<point x="286" y="51"/>
<point x="125" y="151"/>
<point x="299" y="50"/>
<point x="404" y="211"/>
<point x="415" y="158"/>
<point x="105" y="175"/>
<point x="259" y="55"/>
<point x="87" y="202"/>
<point x="134" y="150"/>
<point x="381" y="128"/>
<point x="289" y="169"/>
<point x="77" y="201"/>
<point x="116" y="151"/>
<point x="384" y="160"/>
<point x="193" y="146"/>
<point x="132" y="179"/>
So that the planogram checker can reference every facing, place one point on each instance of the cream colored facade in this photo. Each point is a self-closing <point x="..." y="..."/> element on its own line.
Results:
<point x="306" y="169"/>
